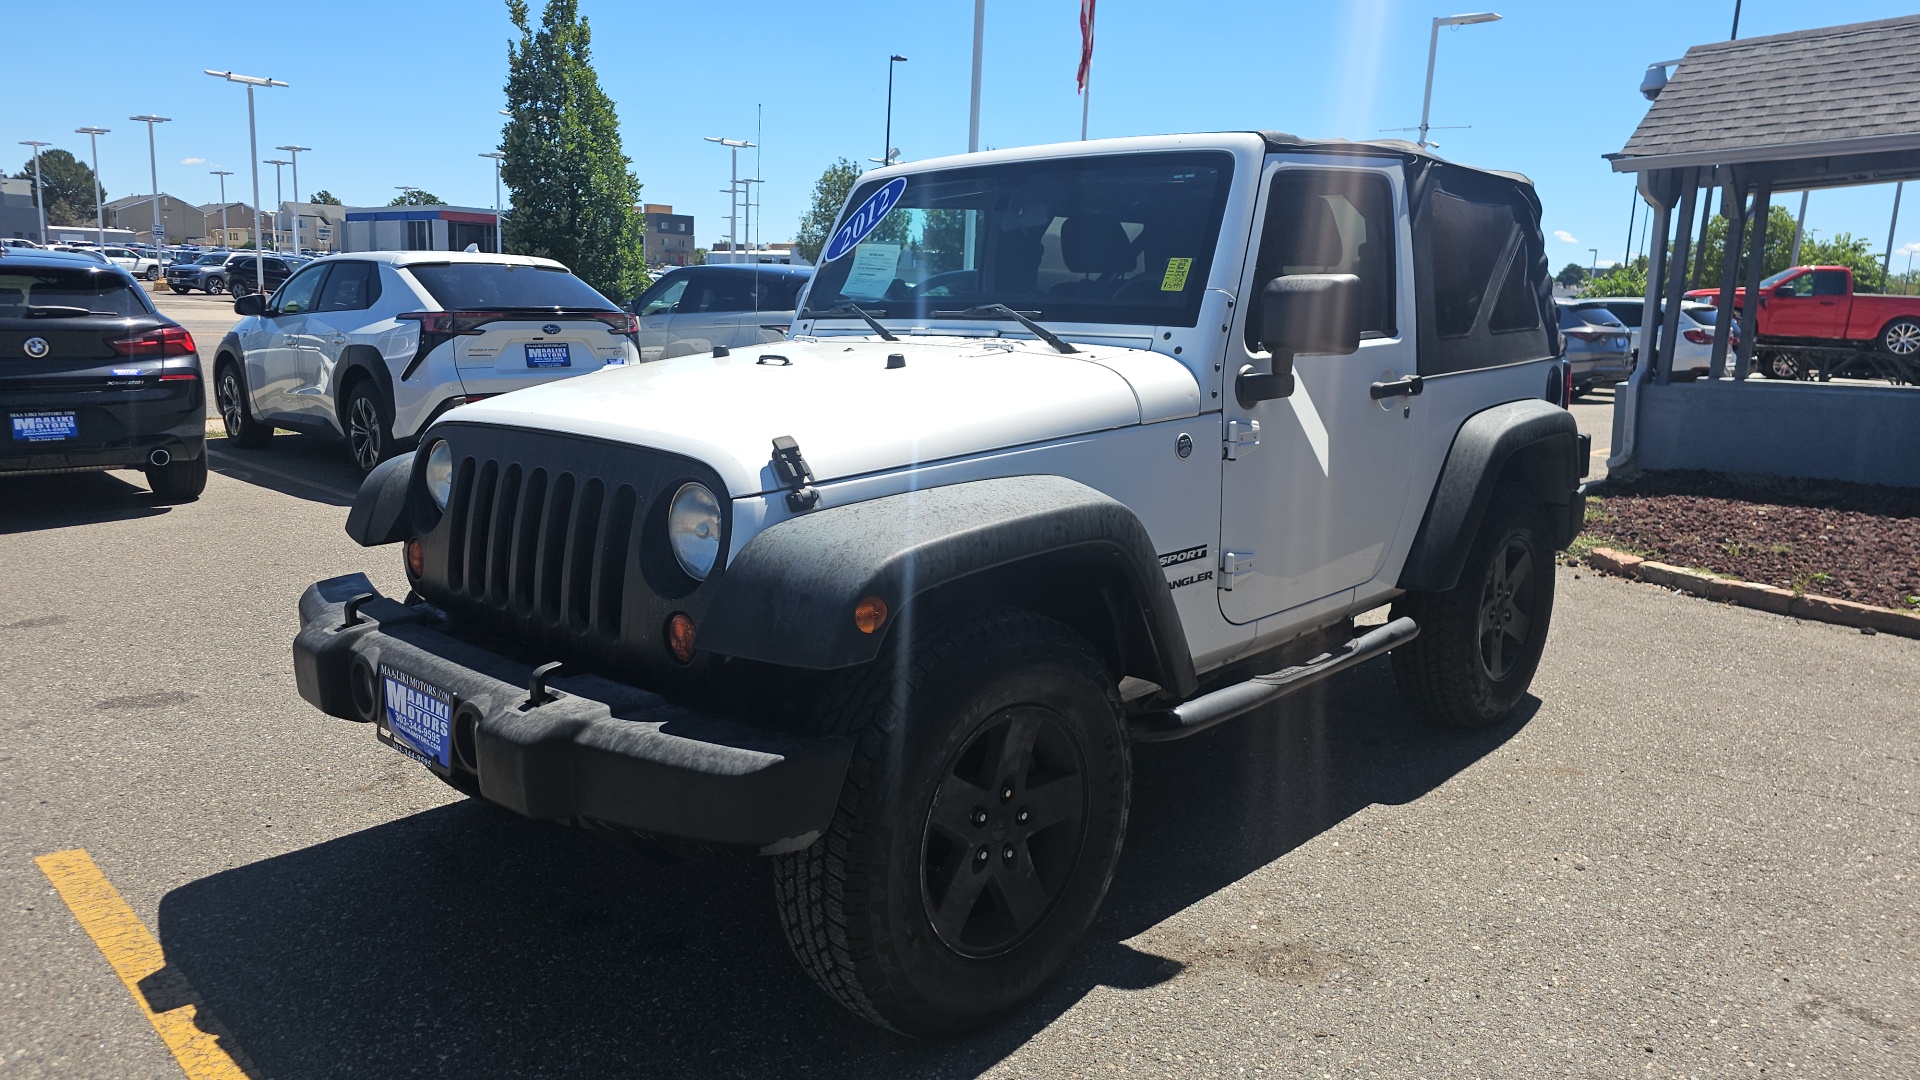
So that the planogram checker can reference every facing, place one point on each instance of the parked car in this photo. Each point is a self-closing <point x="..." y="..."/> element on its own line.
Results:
<point x="139" y="264"/>
<point x="1598" y="347"/>
<point x="1076" y="449"/>
<point x="1693" y="350"/>
<point x="242" y="268"/>
<point x="92" y="377"/>
<point x="88" y="252"/>
<point x="372" y="346"/>
<point x="693" y="308"/>
<point x="14" y="241"/>
<point x="207" y="273"/>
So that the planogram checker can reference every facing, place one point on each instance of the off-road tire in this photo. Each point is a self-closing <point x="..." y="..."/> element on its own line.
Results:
<point x="178" y="481"/>
<point x="1466" y="668"/>
<point x="859" y="905"/>
<point x="368" y="421"/>
<point x="236" y="413"/>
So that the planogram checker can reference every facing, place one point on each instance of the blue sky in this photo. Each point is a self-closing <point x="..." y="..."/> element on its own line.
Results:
<point x="390" y="94"/>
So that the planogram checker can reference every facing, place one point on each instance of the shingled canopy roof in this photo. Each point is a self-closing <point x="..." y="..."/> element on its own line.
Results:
<point x="1838" y="92"/>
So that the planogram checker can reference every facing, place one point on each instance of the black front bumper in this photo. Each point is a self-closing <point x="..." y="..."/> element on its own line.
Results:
<point x="598" y="751"/>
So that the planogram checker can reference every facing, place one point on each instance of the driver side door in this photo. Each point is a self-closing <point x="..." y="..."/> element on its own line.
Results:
<point x="274" y="366"/>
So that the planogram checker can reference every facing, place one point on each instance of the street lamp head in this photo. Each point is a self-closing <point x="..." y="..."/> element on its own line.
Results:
<point x="1468" y="20"/>
<point x="896" y="58"/>
<point x="34" y="142"/>
<point x="219" y="172"/>
<point x="150" y="119"/>
<point x="274" y="161"/>
<point x="737" y="144"/>
<point x="293" y="149"/>
<point x="250" y="80"/>
<point x="91" y="131"/>
<point x="1655" y="80"/>
<point x="496" y="155"/>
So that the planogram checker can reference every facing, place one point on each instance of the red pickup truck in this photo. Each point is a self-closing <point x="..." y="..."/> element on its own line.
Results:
<point x="1816" y="305"/>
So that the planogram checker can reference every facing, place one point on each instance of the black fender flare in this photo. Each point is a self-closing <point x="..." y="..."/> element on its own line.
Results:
<point x="356" y="359"/>
<point x="380" y="513"/>
<point x="1533" y="442"/>
<point x="788" y="597"/>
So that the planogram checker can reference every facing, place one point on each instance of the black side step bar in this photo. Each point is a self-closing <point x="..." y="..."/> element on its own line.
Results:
<point x="1203" y="712"/>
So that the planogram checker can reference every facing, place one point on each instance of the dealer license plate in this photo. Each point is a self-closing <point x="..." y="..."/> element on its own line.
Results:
<point x="416" y="718"/>
<point x="45" y="427"/>
<point x="548" y="356"/>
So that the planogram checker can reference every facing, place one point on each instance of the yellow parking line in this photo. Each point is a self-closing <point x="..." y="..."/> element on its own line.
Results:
<point x="203" y="1047"/>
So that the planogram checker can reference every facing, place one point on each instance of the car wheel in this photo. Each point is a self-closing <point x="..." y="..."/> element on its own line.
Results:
<point x="1901" y="338"/>
<point x="236" y="415"/>
<point x="1480" y="641"/>
<point x="369" y="426"/>
<point x="153" y="273"/>
<point x="977" y="830"/>
<point x="216" y="286"/>
<point x="1780" y="365"/>
<point x="179" y="480"/>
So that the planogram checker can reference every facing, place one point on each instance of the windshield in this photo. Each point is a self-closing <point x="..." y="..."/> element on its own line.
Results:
<point x="1120" y="239"/>
<point x="1595" y="315"/>
<point x="213" y="259"/>
<point x="1779" y="277"/>
<point x="98" y="291"/>
<point x="469" y="286"/>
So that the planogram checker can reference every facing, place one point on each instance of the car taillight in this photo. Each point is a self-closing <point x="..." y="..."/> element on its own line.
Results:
<point x="620" y="322"/>
<point x="1697" y="336"/>
<point x="179" y="376"/>
<point x="1588" y="335"/>
<point x="165" y="341"/>
<point x="451" y="323"/>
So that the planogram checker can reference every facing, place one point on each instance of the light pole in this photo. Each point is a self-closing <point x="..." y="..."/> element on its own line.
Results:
<point x="1433" y="46"/>
<point x="294" y="152"/>
<point x="222" y="174"/>
<point x="279" y="203"/>
<point x="499" y="234"/>
<point x="39" y="203"/>
<point x="1593" y="271"/>
<point x="734" y="146"/>
<point x="99" y="206"/>
<point x="253" y="153"/>
<point x="979" y="51"/>
<point x="153" y="171"/>
<point x="746" y="192"/>
<point x="886" y="150"/>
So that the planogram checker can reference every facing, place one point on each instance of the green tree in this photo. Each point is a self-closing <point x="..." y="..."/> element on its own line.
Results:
<point x="324" y="198"/>
<point x="1853" y="252"/>
<point x="1571" y="274"/>
<point x="829" y="195"/>
<point x="414" y="196"/>
<point x="574" y="192"/>
<point x="944" y="236"/>
<point x="1627" y="280"/>
<point x="69" y="187"/>
<point x="1844" y="249"/>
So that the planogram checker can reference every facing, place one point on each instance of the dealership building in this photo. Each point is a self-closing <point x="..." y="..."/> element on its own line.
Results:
<point x="417" y="228"/>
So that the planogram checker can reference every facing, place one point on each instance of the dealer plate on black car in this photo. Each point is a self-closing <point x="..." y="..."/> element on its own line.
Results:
<point x="416" y="718"/>
<point x="44" y="427"/>
<point x="548" y="356"/>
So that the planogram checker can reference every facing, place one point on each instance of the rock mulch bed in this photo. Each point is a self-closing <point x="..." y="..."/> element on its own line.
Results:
<point x="1851" y="541"/>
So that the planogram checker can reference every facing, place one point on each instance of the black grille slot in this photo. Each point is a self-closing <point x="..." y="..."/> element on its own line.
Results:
<point x="581" y="552"/>
<point x="613" y="565"/>
<point x="526" y="544"/>
<point x="553" y="547"/>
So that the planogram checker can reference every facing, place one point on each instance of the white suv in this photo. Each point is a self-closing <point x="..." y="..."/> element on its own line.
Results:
<point x="374" y="345"/>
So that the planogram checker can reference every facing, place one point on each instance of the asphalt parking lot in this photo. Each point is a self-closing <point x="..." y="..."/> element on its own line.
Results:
<point x="1693" y="854"/>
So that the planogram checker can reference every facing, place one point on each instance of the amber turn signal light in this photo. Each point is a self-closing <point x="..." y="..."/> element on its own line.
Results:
<point x="869" y="614"/>
<point x="680" y="637"/>
<point x="416" y="559"/>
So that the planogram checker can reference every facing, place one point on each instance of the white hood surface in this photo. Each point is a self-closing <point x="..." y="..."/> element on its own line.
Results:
<point x="849" y="412"/>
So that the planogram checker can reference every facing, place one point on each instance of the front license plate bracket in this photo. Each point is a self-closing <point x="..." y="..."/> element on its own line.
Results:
<point x="416" y="718"/>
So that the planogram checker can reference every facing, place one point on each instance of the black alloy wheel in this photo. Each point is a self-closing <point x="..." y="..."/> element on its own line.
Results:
<point x="231" y="397"/>
<point x="367" y="438"/>
<point x="1005" y="827"/>
<point x="1505" y="599"/>
<point x="216" y="285"/>
<point x="1781" y="365"/>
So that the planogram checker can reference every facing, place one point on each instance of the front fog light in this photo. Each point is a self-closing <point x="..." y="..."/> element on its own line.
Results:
<point x="693" y="529"/>
<point x="439" y="473"/>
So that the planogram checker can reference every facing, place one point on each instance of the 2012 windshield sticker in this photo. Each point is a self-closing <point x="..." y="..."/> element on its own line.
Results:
<point x="865" y="219"/>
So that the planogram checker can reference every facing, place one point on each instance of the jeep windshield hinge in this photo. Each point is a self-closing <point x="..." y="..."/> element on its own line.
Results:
<point x="792" y="470"/>
<point x="1242" y="437"/>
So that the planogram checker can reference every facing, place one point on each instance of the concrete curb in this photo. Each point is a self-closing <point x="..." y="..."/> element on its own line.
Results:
<point x="1752" y="594"/>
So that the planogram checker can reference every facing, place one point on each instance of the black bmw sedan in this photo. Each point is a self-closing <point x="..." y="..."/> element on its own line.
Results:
<point x="92" y="377"/>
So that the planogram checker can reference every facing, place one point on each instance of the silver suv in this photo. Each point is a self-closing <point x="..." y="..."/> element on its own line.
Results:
<point x="375" y="345"/>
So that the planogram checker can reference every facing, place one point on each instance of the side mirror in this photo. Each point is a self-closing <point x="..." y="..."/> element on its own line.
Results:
<point x="250" y="304"/>
<point x="1301" y="313"/>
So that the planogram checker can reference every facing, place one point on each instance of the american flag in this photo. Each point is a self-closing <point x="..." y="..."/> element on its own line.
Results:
<point x="1086" y="45"/>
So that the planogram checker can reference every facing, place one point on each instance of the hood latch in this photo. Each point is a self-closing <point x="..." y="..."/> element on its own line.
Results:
<point x="793" y="471"/>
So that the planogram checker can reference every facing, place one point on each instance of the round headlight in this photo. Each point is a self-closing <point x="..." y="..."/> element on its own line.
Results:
<point x="439" y="473"/>
<point x="693" y="528"/>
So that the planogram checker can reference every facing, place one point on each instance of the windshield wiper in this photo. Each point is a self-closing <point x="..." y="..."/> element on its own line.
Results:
<point x="849" y="309"/>
<point x="1002" y="311"/>
<point x="57" y="311"/>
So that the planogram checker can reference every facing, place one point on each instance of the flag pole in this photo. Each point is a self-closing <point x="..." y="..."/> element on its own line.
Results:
<point x="1086" y="99"/>
<point x="1084" y="78"/>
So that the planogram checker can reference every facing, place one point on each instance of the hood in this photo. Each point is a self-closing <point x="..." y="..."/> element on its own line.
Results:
<point x="849" y="411"/>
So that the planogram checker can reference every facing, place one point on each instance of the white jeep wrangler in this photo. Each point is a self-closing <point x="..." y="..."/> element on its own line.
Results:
<point x="1075" y="447"/>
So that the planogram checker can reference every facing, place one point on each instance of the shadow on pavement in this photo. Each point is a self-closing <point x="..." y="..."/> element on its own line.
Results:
<point x="467" y="942"/>
<point x="33" y="503"/>
<point x="310" y="467"/>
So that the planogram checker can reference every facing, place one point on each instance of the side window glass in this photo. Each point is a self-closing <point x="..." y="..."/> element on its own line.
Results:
<point x="1469" y="239"/>
<point x="1324" y="221"/>
<point x="1829" y="282"/>
<point x="296" y="296"/>
<point x="660" y="299"/>
<point x="724" y="292"/>
<point x="1800" y="286"/>
<point x="351" y="287"/>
